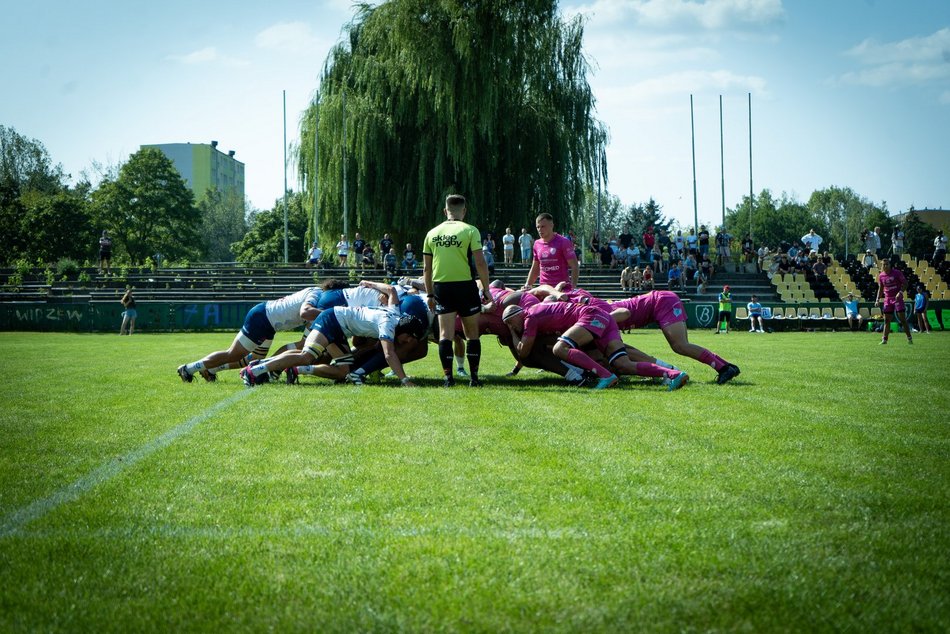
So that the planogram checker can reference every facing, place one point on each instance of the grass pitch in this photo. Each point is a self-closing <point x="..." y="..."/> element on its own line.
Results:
<point x="811" y="493"/>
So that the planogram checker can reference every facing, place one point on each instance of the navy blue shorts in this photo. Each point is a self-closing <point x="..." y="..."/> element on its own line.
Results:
<point x="256" y="326"/>
<point x="328" y="326"/>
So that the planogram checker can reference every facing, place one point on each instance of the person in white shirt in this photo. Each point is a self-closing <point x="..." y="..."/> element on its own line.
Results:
<point x="330" y="334"/>
<point x="812" y="241"/>
<point x="343" y="249"/>
<point x="315" y="255"/>
<point x="508" y="246"/>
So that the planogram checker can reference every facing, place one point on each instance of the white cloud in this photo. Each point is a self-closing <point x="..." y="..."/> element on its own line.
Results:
<point x="913" y="61"/>
<point x="679" y="14"/>
<point x="687" y="82"/>
<point x="207" y="55"/>
<point x="289" y="37"/>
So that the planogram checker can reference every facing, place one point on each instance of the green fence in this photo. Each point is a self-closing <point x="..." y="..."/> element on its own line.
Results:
<point x="170" y="317"/>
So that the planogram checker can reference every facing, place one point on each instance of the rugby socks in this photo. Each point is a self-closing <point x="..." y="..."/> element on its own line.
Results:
<point x="445" y="356"/>
<point x="578" y="358"/>
<point x="651" y="369"/>
<point x="195" y="368"/>
<point x="460" y="363"/>
<point x="716" y="362"/>
<point x="259" y="369"/>
<point x="473" y="350"/>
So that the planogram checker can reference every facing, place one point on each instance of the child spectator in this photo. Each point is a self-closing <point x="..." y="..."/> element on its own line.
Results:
<point x="648" y="278"/>
<point x="637" y="279"/>
<point x="389" y="263"/>
<point x="626" y="280"/>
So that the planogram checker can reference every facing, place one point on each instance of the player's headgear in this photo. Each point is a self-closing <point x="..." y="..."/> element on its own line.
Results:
<point x="511" y="311"/>
<point x="412" y="325"/>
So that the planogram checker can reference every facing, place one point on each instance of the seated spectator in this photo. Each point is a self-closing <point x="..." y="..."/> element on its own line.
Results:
<point x="784" y="266"/>
<point x="674" y="279"/>
<point x="755" y="315"/>
<point x="763" y="254"/>
<point x="633" y="255"/>
<point x="409" y="257"/>
<point x="606" y="256"/>
<point x="390" y="262"/>
<point x="315" y="256"/>
<point x="851" y="310"/>
<point x="706" y="266"/>
<point x="701" y="280"/>
<point x="626" y="280"/>
<point x="869" y="260"/>
<point x="819" y="268"/>
<point x="648" y="278"/>
<point x="637" y="278"/>
<point x="369" y="258"/>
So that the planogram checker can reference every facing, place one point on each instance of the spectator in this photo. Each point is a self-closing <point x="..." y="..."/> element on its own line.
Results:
<point x="637" y="278"/>
<point x="626" y="238"/>
<point x="763" y="254"/>
<point x="723" y="250"/>
<point x="342" y="250"/>
<point x="633" y="255"/>
<point x="755" y="315"/>
<point x="359" y="245"/>
<point x="692" y="242"/>
<point x="489" y="255"/>
<point x="869" y="260"/>
<point x="872" y="241"/>
<point x="385" y="244"/>
<point x="626" y="280"/>
<point x="679" y="242"/>
<point x="920" y="309"/>
<point x="897" y="241"/>
<point x="595" y="248"/>
<point x="105" y="254"/>
<point x="577" y="245"/>
<point x="812" y="241"/>
<point x="369" y="258"/>
<point x="489" y="245"/>
<point x="409" y="257"/>
<point x="691" y="266"/>
<point x="703" y="240"/>
<point x="129" y="314"/>
<point x="526" y="242"/>
<point x="748" y="249"/>
<point x="665" y="260"/>
<point x="648" y="278"/>
<point x="615" y="257"/>
<point x="315" y="256"/>
<point x="649" y="240"/>
<point x="664" y="239"/>
<point x="784" y="265"/>
<point x="851" y="311"/>
<point x="508" y="245"/>
<point x="674" y="278"/>
<point x="940" y="248"/>
<point x="819" y="268"/>
<point x="606" y="256"/>
<point x="706" y="268"/>
<point x="390" y="263"/>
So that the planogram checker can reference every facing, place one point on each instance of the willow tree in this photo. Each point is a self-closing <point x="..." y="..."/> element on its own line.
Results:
<point x="488" y="99"/>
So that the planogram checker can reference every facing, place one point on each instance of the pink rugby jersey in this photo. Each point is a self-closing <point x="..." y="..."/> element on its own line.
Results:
<point x="553" y="258"/>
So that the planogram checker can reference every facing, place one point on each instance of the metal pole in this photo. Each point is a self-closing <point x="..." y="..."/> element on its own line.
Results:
<point x="286" y="257"/>
<point x="751" y="196"/>
<point x="692" y="128"/>
<point x="722" y="164"/>
<point x="316" y="171"/>
<point x="346" y="231"/>
<point x="598" y="194"/>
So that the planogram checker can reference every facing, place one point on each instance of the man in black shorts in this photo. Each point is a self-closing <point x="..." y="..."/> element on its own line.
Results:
<point x="451" y="287"/>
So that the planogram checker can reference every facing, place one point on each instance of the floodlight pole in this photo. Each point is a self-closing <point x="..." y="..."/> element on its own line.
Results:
<point x="722" y="164"/>
<point x="286" y="256"/>
<point x="751" y="196"/>
<point x="346" y="231"/>
<point x="692" y="128"/>
<point x="316" y="170"/>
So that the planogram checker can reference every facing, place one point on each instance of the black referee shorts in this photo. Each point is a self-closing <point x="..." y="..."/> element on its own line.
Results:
<point x="457" y="297"/>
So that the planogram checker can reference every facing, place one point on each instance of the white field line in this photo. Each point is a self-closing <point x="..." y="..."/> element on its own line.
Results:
<point x="13" y="522"/>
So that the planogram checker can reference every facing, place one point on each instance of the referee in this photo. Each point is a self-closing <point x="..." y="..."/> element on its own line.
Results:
<point x="450" y="286"/>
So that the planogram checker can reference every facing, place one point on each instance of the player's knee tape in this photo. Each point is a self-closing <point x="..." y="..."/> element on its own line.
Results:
<point x="346" y="359"/>
<point x="616" y="355"/>
<point x="568" y="341"/>
<point x="315" y="349"/>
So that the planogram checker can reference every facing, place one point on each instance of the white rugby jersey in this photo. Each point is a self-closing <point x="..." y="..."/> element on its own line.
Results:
<point x="284" y="313"/>
<point x="362" y="321"/>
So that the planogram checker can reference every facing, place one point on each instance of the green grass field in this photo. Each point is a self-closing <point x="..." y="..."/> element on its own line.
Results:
<point x="810" y="494"/>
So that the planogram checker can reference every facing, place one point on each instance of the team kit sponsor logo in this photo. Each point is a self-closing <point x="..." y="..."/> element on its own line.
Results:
<point x="446" y="241"/>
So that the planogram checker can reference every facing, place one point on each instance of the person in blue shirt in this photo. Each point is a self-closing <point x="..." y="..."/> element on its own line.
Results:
<point x="851" y="310"/>
<point x="673" y="278"/>
<point x="920" y="309"/>
<point x="755" y="314"/>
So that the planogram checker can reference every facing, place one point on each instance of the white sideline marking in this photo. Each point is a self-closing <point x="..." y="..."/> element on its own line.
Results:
<point x="37" y="509"/>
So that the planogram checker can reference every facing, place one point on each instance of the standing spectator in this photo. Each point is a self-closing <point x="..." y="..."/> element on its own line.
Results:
<point x="489" y="259"/>
<point x="615" y="251"/>
<point x="723" y="251"/>
<point x="409" y="257"/>
<point x="508" y="244"/>
<point x="105" y="254"/>
<point x="489" y="245"/>
<point x="891" y="284"/>
<point x="692" y="242"/>
<point x="725" y="311"/>
<point x="897" y="241"/>
<point x="314" y="256"/>
<point x="920" y="309"/>
<point x="625" y="238"/>
<point x="940" y="248"/>
<point x="872" y="241"/>
<point x="812" y="241"/>
<point x="390" y="263"/>
<point x="633" y="255"/>
<point x="763" y="254"/>
<point x="664" y="239"/>
<point x="554" y="258"/>
<point x="385" y="244"/>
<point x="649" y="239"/>
<point x="703" y="240"/>
<point x="342" y="250"/>
<point x="595" y="248"/>
<point x="451" y="289"/>
<point x="755" y="315"/>
<point x="679" y="242"/>
<point x="577" y="245"/>
<point x="851" y="311"/>
<point x="359" y="245"/>
<point x="129" y="314"/>
<point x="525" y="241"/>
<point x="665" y="260"/>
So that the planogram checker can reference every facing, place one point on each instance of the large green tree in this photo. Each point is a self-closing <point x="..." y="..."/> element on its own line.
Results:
<point x="264" y="240"/>
<point x="487" y="99"/>
<point x="148" y="209"/>
<point x="223" y="223"/>
<point x="842" y="215"/>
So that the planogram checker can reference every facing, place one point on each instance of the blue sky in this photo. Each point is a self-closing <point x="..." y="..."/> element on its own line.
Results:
<point x="844" y="92"/>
